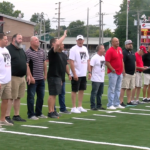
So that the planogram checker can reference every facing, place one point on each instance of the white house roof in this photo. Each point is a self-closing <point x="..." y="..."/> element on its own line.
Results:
<point x="18" y="19"/>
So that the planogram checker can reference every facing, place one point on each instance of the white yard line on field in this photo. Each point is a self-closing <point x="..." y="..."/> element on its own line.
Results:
<point x="34" y="126"/>
<point x="139" y="109"/>
<point x="83" y="119"/>
<point x="60" y="122"/>
<point x="103" y="115"/>
<point x="75" y="140"/>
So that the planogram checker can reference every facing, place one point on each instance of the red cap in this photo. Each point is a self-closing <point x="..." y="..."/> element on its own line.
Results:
<point x="143" y="48"/>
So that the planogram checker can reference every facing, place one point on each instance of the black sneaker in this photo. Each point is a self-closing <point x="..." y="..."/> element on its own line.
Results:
<point x="145" y="100"/>
<point x="123" y="105"/>
<point x="65" y="112"/>
<point x="56" y="114"/>
<point x="18" y="118"/>
<point x="52" y="115"/>
<point x="8" y="119"/>
<point x="94" y="109"/>
<point x="101" y="108"/>
<point x="130" y="103"/>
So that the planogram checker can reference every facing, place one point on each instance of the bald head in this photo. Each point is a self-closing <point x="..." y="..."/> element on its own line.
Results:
<point x="115" y="42"/>
<point x="34" y="41"/>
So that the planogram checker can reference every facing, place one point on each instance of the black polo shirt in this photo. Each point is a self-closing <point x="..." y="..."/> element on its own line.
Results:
<point x="18" y="61"/>
<point x="57" y="64"/>
<point x="129" y="61"/>
<point x="146" y="62"/>
<point x="36" y="59"/>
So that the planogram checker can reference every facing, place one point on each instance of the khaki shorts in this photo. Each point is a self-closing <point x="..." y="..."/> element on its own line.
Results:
<point x="5" y="91"/>
<point x="18" y="87"/>
<point x="146" y="79"/>
<point x="128" y="82"/>
<point x="138" y="79"/>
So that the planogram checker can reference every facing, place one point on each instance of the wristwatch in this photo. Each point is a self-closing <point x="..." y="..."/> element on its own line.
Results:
<point x="113" y="70"/>
<point x="90" y="72"/>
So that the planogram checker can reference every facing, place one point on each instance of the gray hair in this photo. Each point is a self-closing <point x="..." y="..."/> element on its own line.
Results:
<point x="98" y="47"/>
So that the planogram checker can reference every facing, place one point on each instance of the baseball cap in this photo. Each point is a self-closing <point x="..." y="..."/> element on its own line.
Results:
<point x="128" y="42"/>
<point x="143" y="48"/>
<point x="80" y="37"/>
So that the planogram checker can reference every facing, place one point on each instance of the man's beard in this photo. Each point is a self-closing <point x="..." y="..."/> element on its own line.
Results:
<point x="17" y="44"/>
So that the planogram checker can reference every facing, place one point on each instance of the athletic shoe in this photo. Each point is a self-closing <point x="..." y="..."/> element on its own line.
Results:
<point x="75" y="110"/>
<point x="81" y="109"/>
<point x="52" y="115"/>
<point x="56" y="114"/>
<point x="101" y="108"/>
<point x="111" y="107"/>
<point x="18" y="118"/>
<point x="8" y="119"/>
<point x="42" y="116"/>
<point x="122" y="104"/>
<point x="139" y="102"/>
<point x="131" y="103"/>
<point x="145" y="100"/>
<point x="34" y="118"/>
<point x="65" y="112"/>
<point x="5" y="123"/>
<point x="119" y="106"/>
<point x="148" y="100"/>
<point x="94" y="109"/>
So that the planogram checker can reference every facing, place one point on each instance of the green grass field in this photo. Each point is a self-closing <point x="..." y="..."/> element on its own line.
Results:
<point x="122" y="132"/>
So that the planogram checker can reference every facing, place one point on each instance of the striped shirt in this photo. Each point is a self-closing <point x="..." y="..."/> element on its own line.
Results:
<point x="36" y="59"/>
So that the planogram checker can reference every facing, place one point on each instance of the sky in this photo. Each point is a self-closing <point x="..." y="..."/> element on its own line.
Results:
<point x="71" y="10"/>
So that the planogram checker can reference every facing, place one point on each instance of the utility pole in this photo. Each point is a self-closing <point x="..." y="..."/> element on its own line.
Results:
<point x="58" y="19"/>
<point x="138" y="29"/>
<point x="102" y="29"/>
<point x="127" y="24"/>
<point x="87" y="27"/>
<point x="100" y="22"/>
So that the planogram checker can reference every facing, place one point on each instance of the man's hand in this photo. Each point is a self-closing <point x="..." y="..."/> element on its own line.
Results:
<point x="28" y="80"/>
<point x="65" y="33"/>
<point x="124" y="74"/>
<point x="32" y="80"/>
<point x="89" y="76"/>
<point x="70" y="77"/>
<point x="113" y="71"/>
<point x="75" y="77"/>
<point x="45" y="77"/>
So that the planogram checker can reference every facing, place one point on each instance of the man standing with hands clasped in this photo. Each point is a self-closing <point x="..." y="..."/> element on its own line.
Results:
<point x="115" y="66"/>
<point x="79" y="62"/>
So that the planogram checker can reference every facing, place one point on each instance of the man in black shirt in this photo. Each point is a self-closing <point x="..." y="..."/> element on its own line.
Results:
<point x="57" y="68"/>
<point x="146" y="61"/>
<point x="18" y="83"/>
<point x="128" y="81"/>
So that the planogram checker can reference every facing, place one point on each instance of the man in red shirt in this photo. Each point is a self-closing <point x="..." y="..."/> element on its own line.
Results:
<point x="115" y="68"/>
<point x="138" y="77"/>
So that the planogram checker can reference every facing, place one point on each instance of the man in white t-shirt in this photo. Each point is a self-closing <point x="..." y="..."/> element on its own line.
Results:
<point x="97" y="70"/>
<point x="79" y="62"/>
<point x="5" y="78"/>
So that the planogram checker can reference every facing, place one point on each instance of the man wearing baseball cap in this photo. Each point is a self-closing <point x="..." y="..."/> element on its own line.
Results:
<point x="128" y="81"/>
<point x="146" y="73"/>
<point x="138" y="77"/>
<point x="79" y="62"/>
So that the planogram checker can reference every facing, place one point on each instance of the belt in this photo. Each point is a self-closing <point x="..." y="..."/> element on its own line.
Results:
<point x="139" y="71"/>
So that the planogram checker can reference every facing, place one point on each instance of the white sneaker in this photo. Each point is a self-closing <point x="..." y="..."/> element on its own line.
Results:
<point x="34" y="118"/>
<point x="81" y="109"/>
<point x="75" y="110"/>
<point x="111" y="107"/>
<point x="119" y="106"/>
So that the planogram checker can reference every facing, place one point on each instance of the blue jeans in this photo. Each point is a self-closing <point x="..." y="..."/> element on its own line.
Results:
<point x="97" y="91"/>
<point x="114" y="89"/>
<point x="62" y="98"/>
<point x="39" y="88"/>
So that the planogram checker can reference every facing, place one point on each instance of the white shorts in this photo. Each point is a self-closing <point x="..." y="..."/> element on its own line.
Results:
<point x="146" y="79"/>
<point x="138" y="79"/>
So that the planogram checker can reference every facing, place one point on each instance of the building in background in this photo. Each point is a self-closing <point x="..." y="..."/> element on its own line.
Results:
<point x="11" y="25"/>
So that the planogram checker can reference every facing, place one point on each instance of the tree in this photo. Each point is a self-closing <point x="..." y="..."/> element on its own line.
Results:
<point x="108" y="33"/>
<point x="120" y="20"/>
<point x="7" y="8"/>
<point x="75" y="28"/>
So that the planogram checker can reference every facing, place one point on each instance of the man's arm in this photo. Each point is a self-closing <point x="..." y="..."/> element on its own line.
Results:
<point x="45" y="70"/>
<point x="73" y="70"/>
<point x="28" y="74"/>
<point x="89" y="70"/>
<point x="58" y="42"/>
<point x="68" y="72"/>
<point x="32" y="80"/>
<point x="110" y="67"/>
<point x="124" y="73"/>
